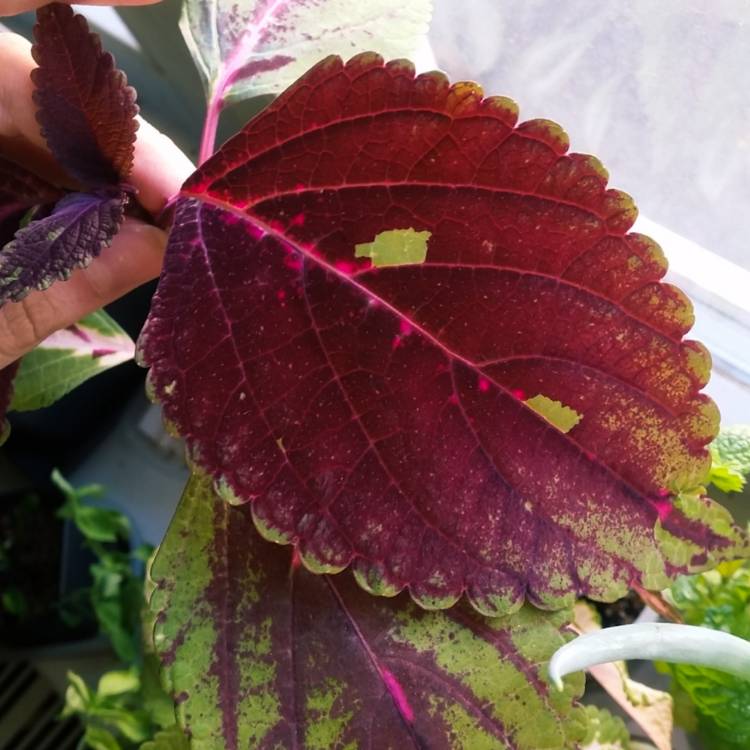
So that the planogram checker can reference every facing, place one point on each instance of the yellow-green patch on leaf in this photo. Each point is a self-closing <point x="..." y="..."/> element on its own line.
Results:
<point x="396" y="247"/>
<point x="555" y="412"/>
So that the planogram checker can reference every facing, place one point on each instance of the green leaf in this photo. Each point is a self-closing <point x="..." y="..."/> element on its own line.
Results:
<point x="98" y="738"/>
<point x="101" y="524"/>
<point x="605" y="731"/>
<point x="244" y="48"/>
<point x="14" y="602"/>
<point x="719" y="599"/>
<point x="68" y="358"/>
<point x="555" y="412"/>
<point x="169" y="739"/>
<point x="131" y="724"/>
<point x="396" y="247"/>
<point x="77" y="695"/>
<point x="116" y="620"/>
<point x="118" y="682"/>
<point x="724" y="475"/>
<point x="158" y="704"/>
<point x="259" y="652"/>
<point x="733" y="446"/>
<point x="95" y="523"/>
<point x="730" y="459"/>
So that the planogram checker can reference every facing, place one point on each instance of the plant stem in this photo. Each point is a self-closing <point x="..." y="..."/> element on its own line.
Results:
<point x="658" y="603"/>
<point x="211" y="124"/>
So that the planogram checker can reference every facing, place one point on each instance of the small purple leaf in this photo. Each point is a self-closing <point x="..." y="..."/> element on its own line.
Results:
<point x="50" y="249"/>
<point x="86" y="109"/>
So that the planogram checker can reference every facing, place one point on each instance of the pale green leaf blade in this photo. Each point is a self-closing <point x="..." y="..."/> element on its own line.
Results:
<point x="168" y="739"/>
<point x="68" y="358"/>
<point x="118" y="682"/>
<point x="98" y="738"/>
<point x="605" y="731"/>
<point x="258" y="652"/>
<point x="555" y="412"/>
<point x="730" y="458"/>
<point x="244" y="48"/>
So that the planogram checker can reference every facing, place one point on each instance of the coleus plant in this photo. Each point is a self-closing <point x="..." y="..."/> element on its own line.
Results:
<point x="405" y="335"/>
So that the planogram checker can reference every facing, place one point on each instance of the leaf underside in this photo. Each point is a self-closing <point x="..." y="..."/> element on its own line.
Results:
<point x="86" y="110"/>
<point x="254" y="47"/>
<point x="50" y="249"/>
<point x="376" y="416"/>
<point x="68" y="358"/>
<point x="260" y="653"/>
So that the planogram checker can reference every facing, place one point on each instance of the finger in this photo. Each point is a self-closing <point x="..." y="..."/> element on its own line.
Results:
<point x="134" y="257"/>
<point x="10" y="7"/>
<point x="160" y="167"/>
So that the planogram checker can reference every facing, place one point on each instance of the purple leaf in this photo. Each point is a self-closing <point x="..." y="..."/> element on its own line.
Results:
<point x="50" y="249"/>
<point x="86" y="109"/>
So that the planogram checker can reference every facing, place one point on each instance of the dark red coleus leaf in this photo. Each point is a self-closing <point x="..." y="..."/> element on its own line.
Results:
<point x="7" y="375"/>
<point x="86" y="109"/>
<point x="50" y="249"/>
<point x="376" y="414"/>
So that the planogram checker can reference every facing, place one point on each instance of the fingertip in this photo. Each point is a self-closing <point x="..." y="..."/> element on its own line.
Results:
<point x="159" y="167"/>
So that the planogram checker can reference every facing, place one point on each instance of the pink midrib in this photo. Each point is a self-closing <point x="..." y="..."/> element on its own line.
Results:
<point x="450" y="354"/>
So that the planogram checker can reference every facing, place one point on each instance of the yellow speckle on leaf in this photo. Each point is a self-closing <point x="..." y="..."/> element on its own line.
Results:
<point x="395" y="247"/>
<point x="555" y="412"/>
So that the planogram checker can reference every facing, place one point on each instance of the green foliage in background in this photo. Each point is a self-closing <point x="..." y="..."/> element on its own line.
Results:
<point x="116" y="592"/>
<point x="714" y="704"/>
<point x="128" y="706"/>
<point x="605" y="731"/>
<point x="730" y="455"/>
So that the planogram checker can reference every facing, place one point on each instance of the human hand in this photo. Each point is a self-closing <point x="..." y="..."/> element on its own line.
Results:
<point x="11" y="7"/>
<point x="136" y="253"/>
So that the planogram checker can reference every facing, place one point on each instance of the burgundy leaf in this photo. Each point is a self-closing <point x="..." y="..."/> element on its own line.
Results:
<point x="50" y="249"/>
<point x="375" y="414"/>
<point x="86" y="109"/>
<point x="7" y="375"/>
